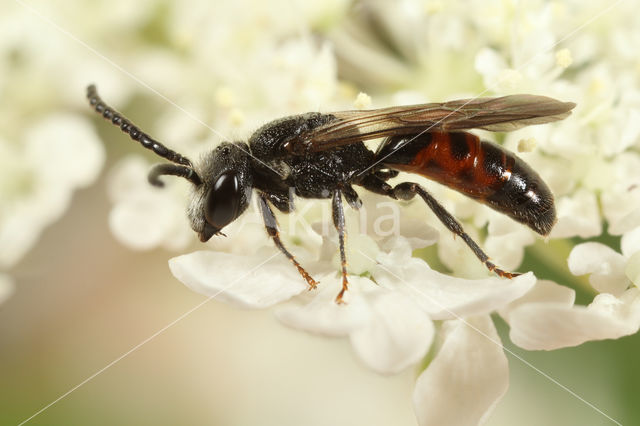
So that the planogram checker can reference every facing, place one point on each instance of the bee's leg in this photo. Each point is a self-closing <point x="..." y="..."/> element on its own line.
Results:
<point x="338" y="221"/>
<point x="281" y="201"/>
<point x="377" y="184"/>
<point x="352" y="197"/>
<point x="272" y="229"/>
<point x="407" y="190"/>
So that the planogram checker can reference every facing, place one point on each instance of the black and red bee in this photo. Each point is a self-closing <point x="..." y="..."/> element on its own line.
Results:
<point x="323" y="155"/>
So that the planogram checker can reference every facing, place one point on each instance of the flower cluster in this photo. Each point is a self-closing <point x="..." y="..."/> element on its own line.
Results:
<point x="47" y="149"/>
<point x="589" y="161"/>
<point x="240" y="64"/>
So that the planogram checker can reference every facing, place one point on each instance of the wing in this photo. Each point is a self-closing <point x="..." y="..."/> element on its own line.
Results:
<point x="501" y="114"/>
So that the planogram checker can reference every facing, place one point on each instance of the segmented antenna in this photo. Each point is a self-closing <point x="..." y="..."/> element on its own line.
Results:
<point x="134" y="132"/>
<point x="173" y="170"/>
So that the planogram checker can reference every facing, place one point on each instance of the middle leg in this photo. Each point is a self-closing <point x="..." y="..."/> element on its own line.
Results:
<point x="338" y="221"/>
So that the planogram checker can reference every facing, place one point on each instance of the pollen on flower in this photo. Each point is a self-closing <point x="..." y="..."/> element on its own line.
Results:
<point x="225" y="97"/>
<point x="183" y="39"/>
<point x="558" y="9"/>
<point x="564" y="58"/>
<point x="509" y="79"/>
<point x="527" y="145"/>
<point x="596" y="85"/>
<point x="433" y="7"/>
<point x="237" y="117"/>
<point x="362" y="101"/>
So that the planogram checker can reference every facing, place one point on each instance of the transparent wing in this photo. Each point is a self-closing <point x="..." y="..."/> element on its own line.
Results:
<point x="501" y="114"/>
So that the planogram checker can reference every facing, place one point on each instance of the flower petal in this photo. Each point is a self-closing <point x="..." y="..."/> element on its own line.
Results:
<point x="466" y="379"/>
<point x="632" y="269"/>
<point x="548" y="326"/>
<point x="506" y="240"/>
<point x="143" y="216"/>
<point x="630" y="242"/>
<point x="578" y="215"/>
<point x="605" y="265"/>
<point x="446" y="297"/>
<point x="322" y="315"/>
<point x="59" y="137"/>
<point x="489" y="63"/>
<point x="141" y="224"/>
<point x="418" y="233"/>
<point x="507" y="250"/>
<point x="35" y="189"/>
<point x="256" y="281"/>
<point x="397" y="335"/>
<point x="544" y="291"/>
<point x="619" y="200"/>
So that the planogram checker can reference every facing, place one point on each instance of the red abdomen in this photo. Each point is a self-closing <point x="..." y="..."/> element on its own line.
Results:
<point x="478" y="169"/>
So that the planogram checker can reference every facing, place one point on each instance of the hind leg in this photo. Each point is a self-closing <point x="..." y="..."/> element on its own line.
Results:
<point x="408" y="190"/>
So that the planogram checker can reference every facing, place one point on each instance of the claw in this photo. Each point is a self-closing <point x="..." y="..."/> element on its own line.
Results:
<point x="499" y="272"/>
<point x="312" y="283"/>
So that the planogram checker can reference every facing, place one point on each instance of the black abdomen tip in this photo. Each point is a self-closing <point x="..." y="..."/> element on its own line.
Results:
<point x="525" y="198"/>
<point x="540" y="213"/>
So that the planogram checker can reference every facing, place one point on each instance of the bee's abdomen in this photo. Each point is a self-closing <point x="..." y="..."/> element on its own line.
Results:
<point x="478" y="169"/>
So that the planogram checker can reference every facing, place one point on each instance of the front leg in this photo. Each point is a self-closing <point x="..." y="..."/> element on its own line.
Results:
<point x="272" y="229"/>
<point x="338" y="221"/>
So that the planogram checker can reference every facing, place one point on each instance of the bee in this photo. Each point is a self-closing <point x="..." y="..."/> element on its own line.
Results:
<point x="323" y="156"/>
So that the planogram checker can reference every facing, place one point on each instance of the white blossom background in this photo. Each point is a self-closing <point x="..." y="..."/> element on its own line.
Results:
<point x="95" y="329"/>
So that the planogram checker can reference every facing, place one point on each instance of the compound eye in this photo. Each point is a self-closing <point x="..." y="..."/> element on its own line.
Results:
<point x="223" y="201"/>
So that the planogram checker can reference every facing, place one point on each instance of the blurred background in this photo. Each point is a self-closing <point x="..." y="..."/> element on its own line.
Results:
<point x="88" y="314"/>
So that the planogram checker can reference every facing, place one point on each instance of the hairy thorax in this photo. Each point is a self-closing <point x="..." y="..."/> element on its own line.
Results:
<point x="311" y="175"/>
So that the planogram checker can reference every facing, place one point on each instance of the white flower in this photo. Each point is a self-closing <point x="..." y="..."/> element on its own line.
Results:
<point x="295" y="75"/>
<point x="252" y="63"/>
<point x="145" y="216"/>
<point x="47" y="151"/>
<point x="388" y="317"/>
<point x="620" y="200"/>
<point x="57" y="155"/>
<point x="255" y="281"/>
<point x="386" y="329"/>
<point x="547" y="318"/>
<point x="586" y="160"/>
<point x="466" y="379"/>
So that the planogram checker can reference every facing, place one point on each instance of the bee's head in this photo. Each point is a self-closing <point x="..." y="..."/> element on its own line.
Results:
<point x="222" y="183"/>
<point x="225" y="189"/>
